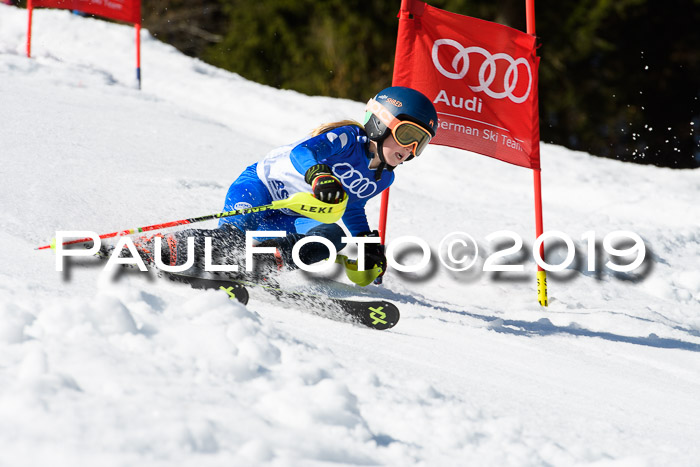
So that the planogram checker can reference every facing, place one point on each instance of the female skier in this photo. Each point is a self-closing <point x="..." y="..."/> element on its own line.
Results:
<point x="338" y="159"/>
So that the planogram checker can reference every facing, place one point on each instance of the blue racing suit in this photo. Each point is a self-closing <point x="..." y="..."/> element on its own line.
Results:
<point x="281" y="174"/>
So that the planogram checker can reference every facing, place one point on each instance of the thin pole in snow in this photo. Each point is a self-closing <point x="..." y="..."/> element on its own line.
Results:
<point x="537" y="175"/>
<point x="30" y="10"/>
<point x="384" y="208"/>
<point x="383" y="215"/>
<point x="138" y="53"/>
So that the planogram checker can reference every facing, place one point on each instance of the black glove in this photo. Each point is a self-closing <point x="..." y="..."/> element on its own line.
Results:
<point x="325" y="186"/>
<point x="374" y="252"/>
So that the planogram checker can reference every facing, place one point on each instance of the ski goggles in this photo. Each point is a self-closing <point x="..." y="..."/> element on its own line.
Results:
<point x="406" y="133"/>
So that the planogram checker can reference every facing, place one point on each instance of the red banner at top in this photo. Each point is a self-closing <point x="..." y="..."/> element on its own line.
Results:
<point x="481" y="77"/>
<point x="121" y="10"/>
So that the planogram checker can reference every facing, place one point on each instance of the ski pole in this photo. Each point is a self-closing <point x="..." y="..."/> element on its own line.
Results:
<point x="301" y="203"/>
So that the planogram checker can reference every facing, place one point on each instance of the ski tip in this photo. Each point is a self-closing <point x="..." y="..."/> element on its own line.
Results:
<point x="236" y="292"/>
<point x="381" y="316"/>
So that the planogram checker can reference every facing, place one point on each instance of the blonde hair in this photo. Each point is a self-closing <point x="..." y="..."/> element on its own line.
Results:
<point x="324" y="127"/>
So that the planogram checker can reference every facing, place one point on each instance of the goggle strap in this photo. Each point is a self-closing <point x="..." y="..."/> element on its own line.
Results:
<point x="382" y="113"/>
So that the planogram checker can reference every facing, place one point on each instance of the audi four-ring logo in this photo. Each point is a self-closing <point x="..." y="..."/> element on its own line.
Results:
<point x="354" y="181"/>
<point x="510" y="79"/>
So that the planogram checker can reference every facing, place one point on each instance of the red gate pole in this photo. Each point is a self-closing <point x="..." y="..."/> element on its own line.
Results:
<point x="30" y="10"/>
<point x="383" y="215"/>
<point x="537" y="174"/>
<point x="404" y="11"/>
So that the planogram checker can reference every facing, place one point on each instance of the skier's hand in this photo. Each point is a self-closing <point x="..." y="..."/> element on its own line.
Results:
<point x="374" y="253"/>
<point x="325" y="186"/>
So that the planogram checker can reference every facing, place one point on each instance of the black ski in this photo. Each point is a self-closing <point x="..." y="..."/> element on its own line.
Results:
<point x="235" y="290"/>
<point x="376" y="314"/>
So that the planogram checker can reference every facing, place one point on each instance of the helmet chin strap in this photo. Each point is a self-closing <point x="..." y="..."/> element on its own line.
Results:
<point x="382" y="164"/>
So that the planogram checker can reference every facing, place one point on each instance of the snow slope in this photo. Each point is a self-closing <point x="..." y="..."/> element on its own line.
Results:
<point x="96" y="371"/>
